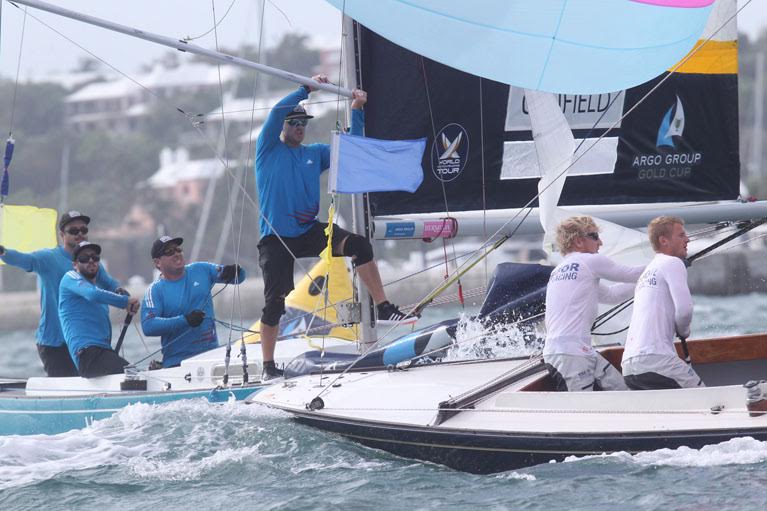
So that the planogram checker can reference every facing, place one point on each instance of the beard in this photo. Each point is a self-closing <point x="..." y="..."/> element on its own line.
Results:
<point x="89" y="274"/>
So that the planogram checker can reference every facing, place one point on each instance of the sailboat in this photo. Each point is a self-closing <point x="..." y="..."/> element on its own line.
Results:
<point x="652" y="152"/>
<point x="52" y="405"/>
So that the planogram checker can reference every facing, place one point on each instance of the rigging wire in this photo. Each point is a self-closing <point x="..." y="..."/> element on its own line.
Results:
<point x="18" y="72"/>
<point x="215" y="25"/>
<point x="225" y="149"/>
<point x="434" y="138"/>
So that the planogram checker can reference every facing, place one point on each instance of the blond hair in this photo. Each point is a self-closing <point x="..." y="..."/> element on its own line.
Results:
<point x="571" y="228"/>
<point x="661" y="226"/>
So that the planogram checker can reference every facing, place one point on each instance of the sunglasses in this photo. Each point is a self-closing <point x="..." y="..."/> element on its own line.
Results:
<point x="74" y="231"/>
<point x="593" y="235"/>
<point x="84" y="258"/>
<point x="172" y="251"/>
<point x="298" y="122"/>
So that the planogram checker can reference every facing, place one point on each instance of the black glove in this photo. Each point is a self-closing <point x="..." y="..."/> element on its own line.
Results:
<point x="229" y="272"/>
<point x="195" y="317"/>
<point x="2" y="250"/>
<point x="121" y="291"/>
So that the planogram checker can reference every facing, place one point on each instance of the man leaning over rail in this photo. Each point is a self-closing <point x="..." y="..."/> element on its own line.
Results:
<point x="84" y="313"/>
<point x="572" y="296"/>
<point x="178" y="306"/>
<point x="51" y="264"/>
<point x="288" y="180"/>
<point x="662" y="308"/>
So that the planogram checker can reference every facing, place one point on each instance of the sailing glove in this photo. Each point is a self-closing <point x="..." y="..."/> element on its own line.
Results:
<point x="230" y="272"/>
<point x="195" y="317"/>
<point x="122" y="292"/>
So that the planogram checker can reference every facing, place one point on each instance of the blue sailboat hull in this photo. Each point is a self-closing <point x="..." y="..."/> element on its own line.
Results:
<point x="30" y="415"/>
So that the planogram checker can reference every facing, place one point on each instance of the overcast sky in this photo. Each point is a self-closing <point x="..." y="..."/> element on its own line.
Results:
<point x="44" y="51"/>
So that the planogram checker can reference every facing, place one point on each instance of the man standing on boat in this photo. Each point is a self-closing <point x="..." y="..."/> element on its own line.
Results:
<point x="662" y="308"/>
<point x="178" y="306"/>
<point x="288" y="180"/>
<point x="50" y="265"/>
<point x="84" y="313"/>
<point x="572" y="295"/>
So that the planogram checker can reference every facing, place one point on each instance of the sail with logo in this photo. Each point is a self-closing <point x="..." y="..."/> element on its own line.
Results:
<point x="679" y="143"/>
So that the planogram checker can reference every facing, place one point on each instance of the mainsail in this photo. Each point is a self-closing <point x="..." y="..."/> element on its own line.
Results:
<point x="495" y="165"/>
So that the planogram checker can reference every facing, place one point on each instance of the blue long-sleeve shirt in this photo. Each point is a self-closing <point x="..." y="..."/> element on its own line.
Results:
<point x="288" y="178"/>
<point x="50" y="265"/>
<point x="84" y="313"/>
<point x="167" y="301"/>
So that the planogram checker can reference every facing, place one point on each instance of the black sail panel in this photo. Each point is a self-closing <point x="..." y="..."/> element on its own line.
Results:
<point x="679" y="144"/>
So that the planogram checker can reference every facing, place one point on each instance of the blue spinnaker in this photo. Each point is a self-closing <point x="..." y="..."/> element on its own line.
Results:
<point x="561" y="46"/>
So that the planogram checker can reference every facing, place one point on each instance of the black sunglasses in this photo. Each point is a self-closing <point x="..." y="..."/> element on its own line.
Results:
<point x="172" y="251"/>
<point x="74" y="231"/>
<point x="84" y="258"/>
<point x="298" y="122"/>
<point x="593" y="235"/>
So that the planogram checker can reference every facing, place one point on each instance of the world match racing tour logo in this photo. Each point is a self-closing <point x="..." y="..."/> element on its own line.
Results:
<point x="449" y="152"/>
<point x="673" y="159"/>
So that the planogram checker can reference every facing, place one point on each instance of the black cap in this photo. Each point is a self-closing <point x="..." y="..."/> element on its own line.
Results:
<point x="71" y="216"/>
<point x="158" y="247"/>
<point x="298" y="112"/>
<point x="83" y="245"/>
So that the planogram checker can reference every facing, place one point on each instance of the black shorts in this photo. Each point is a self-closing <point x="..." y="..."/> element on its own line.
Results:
<point x="277" y="263"/>
<point x="97" y="361"/>
<point x="56" y="361"/>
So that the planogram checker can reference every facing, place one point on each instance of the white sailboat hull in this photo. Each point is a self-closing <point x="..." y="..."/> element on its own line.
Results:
<point x="487" y="416"/>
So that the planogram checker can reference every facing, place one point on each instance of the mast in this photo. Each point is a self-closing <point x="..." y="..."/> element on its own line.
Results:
<point x="184" y="46"/>
<point x="360" y="221"/>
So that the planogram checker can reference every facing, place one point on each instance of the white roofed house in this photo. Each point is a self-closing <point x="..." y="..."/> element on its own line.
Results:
<point x="119" y="106"/>
<point x="184" y="181"/>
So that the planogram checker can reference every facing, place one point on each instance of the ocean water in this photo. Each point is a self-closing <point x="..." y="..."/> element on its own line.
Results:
<point x="192" y="454"/>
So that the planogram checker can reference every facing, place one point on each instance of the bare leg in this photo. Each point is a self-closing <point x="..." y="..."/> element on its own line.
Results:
<point x="369" y="274"/>
<point x="268" y="341"/>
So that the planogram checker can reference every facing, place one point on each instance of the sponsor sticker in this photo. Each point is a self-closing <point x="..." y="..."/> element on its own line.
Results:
<point x="400" y="229"/>
<point x="438" y="229"/>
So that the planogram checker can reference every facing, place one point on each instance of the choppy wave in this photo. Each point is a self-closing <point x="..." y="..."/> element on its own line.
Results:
<point x="736" y="451"/>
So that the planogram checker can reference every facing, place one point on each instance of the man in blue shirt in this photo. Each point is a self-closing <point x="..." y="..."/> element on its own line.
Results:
<point x="288" y="180"/>
<point x="84" y="313"/>
<point x="178" y="306"/>
<point x="50" y="265"/>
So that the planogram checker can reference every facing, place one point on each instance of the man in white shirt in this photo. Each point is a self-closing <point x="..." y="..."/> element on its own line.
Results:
<point x="572" y="297"/>
<point x="662" y="308"/>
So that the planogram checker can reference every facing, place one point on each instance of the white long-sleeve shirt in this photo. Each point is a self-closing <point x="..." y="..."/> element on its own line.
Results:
<point x="572" y="297"/>
<point x="662" y="308"/>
